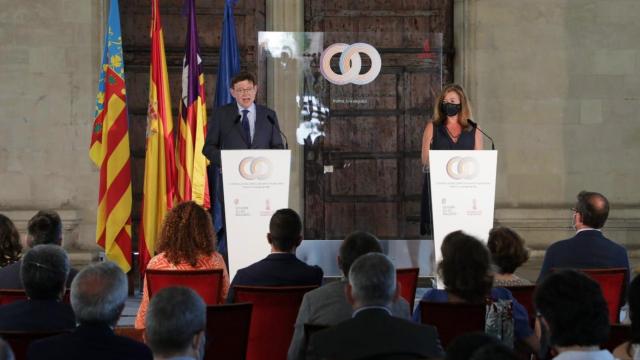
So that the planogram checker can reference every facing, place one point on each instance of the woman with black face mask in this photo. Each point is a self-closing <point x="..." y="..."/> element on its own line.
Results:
<point x="449" y="129"/>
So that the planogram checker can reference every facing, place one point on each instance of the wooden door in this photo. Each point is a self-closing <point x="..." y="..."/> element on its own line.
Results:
<point x="365" y="173"/>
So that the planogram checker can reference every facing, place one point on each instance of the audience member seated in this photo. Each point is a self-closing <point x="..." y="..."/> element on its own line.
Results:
<point x="465" y="272"/>
<point x="10" y="247"/>
<point x="630" y="350"/>
<point x="508" y="253"/>
<point x="44" y="274"/>
<point x="281" y="267"/>
<point x="45" y="227"/>
<point x="5" y="351"/>
<point x="186" y="242"/>
<point x="465" y="345"/>
<point x="175" y="325"/>
<point x="588" y="249"/>
<point x="98" y="295"/>
<point x="373" y="331"/>
<point x="573" y="316"/>
<point x="328" y="305"/>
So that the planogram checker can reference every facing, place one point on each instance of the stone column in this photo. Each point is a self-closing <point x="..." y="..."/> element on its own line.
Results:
<point x="284" y="83"/>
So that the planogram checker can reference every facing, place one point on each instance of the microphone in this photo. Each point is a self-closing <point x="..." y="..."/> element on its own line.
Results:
<point x="475" y="126"/>
<point x="235" y="122"/>
<point x="273" y="123"/>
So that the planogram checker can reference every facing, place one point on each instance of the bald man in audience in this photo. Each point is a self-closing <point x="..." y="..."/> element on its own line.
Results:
<point x="328" y="305"/>
<point x="175" y="325"/>
<point x="588" y="248"/>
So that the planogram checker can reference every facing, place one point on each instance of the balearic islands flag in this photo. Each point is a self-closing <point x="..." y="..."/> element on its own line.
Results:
<point x="191" y="163"/>
<point x="159" y="165"/>
<point x="110" y="150"/>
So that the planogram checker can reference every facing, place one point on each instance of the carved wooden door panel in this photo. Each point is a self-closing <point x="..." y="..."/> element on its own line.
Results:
<point x="365" y="173"/>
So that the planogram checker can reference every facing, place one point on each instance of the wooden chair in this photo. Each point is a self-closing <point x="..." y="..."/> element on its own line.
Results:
<point x="524" y="295"/>
<point x="275" y="309"/>
<point x="228" y="331"/>
<point x="20" y="340"/>
<point x="207" y="283"/>
<point x="453" y="319"/>
<point x="408" y="282"/>
<point x="613" y="285"/>
<point x="8" y="296"/>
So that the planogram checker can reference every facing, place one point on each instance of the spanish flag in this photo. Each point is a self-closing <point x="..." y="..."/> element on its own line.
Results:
<point x="110" y="150"/>
<point x="159" y="165"/>
<point x="191" y="163"/>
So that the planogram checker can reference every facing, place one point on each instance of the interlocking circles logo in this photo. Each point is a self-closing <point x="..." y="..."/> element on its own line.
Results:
<point x="255" y="168"/>
<point x="459" y="168"/>
<point x="350" y="64"/>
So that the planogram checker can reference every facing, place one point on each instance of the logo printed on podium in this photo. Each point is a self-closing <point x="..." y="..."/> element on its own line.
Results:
<point x="255" y="168"/>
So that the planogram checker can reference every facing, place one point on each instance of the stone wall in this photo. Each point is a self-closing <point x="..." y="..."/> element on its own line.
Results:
<point x="557" y="84"/>
<point x="49" y="59"/>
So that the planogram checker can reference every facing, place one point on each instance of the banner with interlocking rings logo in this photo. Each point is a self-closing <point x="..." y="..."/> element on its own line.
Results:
<point x="350" y="64"/>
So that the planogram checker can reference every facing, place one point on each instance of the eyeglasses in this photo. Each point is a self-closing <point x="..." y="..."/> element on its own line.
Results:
<point x="245" y="91"/>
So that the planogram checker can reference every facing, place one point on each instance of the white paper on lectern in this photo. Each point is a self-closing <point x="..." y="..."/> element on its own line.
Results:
<point x="463" y="186"/>
<point x="256" y="184"/>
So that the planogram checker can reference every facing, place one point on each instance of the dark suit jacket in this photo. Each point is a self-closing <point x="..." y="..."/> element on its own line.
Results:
<point x="37" y="315"/>
<point x="587" y="249"/>
<point x="374" y="334"/>
<point x="225" y="132"/>
<point x="10" y="276"/>
<point x="89" y="341"/>
<point x="277" y="270"/>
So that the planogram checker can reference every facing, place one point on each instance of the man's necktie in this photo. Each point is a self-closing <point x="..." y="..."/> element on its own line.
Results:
<point x="245" y="125"/>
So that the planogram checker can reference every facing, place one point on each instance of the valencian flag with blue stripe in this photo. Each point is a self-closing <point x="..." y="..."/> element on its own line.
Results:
<point x="159" y="165"/>
<point x="110" y="150"/>
<point x="229" y="66"/>
<point x="191" y="163"/>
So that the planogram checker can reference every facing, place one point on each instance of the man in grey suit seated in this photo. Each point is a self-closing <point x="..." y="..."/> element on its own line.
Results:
<point x="328" y="305"/>
<point x="373" y="332"/>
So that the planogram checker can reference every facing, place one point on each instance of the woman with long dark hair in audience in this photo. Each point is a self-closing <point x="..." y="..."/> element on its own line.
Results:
<point x="10" y="247"/>
<point x="186" y="242"/>
<point x="508" y="253"/>
<point x="467" y="277"/>
<point x="631" y="349"/>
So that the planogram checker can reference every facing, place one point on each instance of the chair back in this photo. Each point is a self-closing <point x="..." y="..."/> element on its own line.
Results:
<point x="207" y="283"/>
<point x="8" y="296"/>
<point x="612" y="283"/>
<point x="453" y="319"/>
<point x="309" y="330"/>
<point x="228" y="331"/>
<point x="130" y="332"/>
<point x="524" y="295"/>
<point x="20" y="340"/>
<point x="275" y="309"/>
<point x="407" y="279"/>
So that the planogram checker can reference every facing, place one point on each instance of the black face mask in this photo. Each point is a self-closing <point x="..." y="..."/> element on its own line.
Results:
<point x="450" y="109"/>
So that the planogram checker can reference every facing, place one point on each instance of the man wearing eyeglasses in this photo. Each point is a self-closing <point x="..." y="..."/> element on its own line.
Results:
<point x="588" y="248"/>
<point x="242" y="124"/>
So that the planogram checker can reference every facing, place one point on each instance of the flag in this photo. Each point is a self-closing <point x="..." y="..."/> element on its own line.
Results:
<point x="110" y="150"/>
<point x="159" y="165"/>
<point x="228" y="67"/>
<point x="191" y="163"/>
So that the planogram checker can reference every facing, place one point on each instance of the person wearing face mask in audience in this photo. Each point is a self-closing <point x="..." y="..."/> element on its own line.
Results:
<point x="449" y="129"/>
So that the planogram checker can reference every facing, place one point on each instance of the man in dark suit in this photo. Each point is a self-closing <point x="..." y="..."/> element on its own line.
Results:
<point x="589" y="248"/>
<point x="98" y="295"/>
<point x="373" y="332"/>
<point x="242" y="124"/>
<point x="328" y="305"/>
<point x="45" y="227"/>
<point x="281" y="267"/>
<point x="44" y="273"/>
